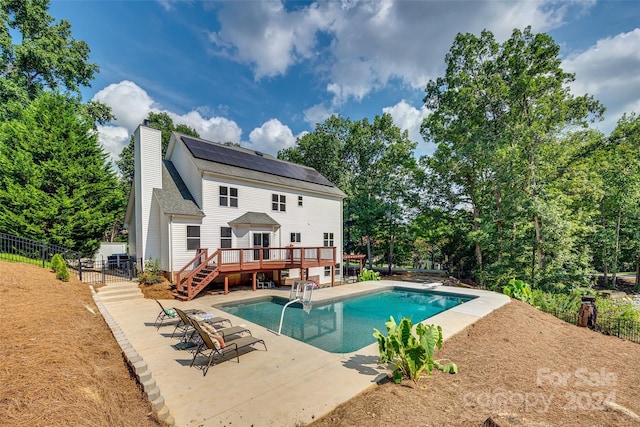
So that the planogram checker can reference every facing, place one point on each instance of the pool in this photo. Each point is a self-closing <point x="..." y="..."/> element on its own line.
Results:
<point x="344" y="326"/>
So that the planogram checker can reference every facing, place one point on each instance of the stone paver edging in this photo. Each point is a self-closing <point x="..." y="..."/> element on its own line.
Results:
<point x="138" y="366"/>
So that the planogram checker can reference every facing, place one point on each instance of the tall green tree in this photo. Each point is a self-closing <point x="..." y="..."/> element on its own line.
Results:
<point x="56" y="183"/>
<point x="323" y="149"/>
<point x="373" y="163"/>
<point x="43" y="56"/>
<point x="500" y="118"/>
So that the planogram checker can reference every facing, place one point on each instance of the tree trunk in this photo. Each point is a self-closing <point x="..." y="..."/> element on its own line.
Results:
<point x="499" y="208"/>
<point x="536" y="261"/>
<point x="391" y="256"/>
<point x="369" y="252"/>
<point x="605" y="263"/>
<point x="638" y="273"/>
<point x="614" y="267"/>
<point x="476" y="227"/>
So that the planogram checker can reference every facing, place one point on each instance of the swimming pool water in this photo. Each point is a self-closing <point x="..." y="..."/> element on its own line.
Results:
<point x="347" y="325"/>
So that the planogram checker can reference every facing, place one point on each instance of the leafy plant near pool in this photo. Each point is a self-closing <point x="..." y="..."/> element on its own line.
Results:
<point x="411" y="356"/>
<point x="368" y="275"/>
<point x="518" y="289"/>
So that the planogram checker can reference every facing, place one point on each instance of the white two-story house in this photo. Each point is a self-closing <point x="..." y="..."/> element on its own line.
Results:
<point x="211" y="212"/>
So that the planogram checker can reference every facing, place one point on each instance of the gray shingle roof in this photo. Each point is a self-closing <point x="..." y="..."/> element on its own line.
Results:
<point x="174" y="198"/>
<point x="254" y="218"/>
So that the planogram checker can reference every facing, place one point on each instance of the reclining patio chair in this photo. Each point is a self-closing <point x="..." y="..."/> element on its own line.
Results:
<point x="218" y="347"/>
<point x="225" y="332"/>
<point x="169" y="313"/>
<point x="184" y="324"/>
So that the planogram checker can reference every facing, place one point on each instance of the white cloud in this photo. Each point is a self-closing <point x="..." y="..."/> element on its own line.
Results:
<point x="409" y="118"/>
<point x="609" y="71"/>
<point x="131" y="104"/>
<point x="317" y="114"/>
<point x="128" y="101"/>
<point x="371" y="43"/>
<point x="265" y="35"/>
<point x="113" y="139"/>
<point x="216" y="129"/>
<point x="271" y="137"/>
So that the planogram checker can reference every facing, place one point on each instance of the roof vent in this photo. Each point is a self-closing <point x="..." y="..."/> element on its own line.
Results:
<point x="259" y="153"/>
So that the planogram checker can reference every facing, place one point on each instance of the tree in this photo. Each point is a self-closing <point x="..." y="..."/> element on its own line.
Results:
<point x="373" y="163"/>
<point x="323" y="149"/>
<point x="501" y="116"/>
<point x="56" y="182"/>
<point x="46" y="57"/>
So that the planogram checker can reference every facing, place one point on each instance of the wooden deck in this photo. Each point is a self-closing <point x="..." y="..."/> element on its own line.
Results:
<point x="204" y="268"/>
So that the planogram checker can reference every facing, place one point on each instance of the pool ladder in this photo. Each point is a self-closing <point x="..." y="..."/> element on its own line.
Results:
<point x="298" y="287"/>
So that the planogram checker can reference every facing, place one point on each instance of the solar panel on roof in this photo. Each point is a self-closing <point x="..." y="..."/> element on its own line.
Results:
<point x="228" y="156"/>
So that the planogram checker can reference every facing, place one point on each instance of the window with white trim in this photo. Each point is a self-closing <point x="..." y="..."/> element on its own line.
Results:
<point x="228" y="196"/>
<point x="328" y="239"/>
<point x="295" y="238"/>
<point x="279" y="202"/>
<point x="193" y="237"/>
<point x="225" y="237"/>
<point x="327" y="271"/>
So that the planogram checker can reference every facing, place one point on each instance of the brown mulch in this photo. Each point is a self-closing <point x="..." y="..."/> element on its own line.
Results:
<point x="517" y="365"/>
<point x="61" y="366"/>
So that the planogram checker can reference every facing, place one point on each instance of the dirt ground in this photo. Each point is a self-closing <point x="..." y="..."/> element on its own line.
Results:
<point x="519" y="366"/>
<point x="62" y="367"/>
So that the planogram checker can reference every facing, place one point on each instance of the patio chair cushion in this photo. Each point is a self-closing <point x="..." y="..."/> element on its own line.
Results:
<point x="170" y="312"/>
<point x="218" y="340"/>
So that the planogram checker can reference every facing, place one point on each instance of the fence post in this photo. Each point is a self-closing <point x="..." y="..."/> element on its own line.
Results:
<point x="42" y="253"/>
<point x="104" y="273"/>
<point x="79" y="268"/>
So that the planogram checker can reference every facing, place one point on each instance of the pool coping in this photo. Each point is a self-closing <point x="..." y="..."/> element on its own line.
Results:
<point x="292" y="383"/>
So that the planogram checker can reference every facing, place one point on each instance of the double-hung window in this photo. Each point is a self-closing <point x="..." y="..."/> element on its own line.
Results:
<point x="225" y="237"/>
<point x="193" y="237"/>
<point x="295" y="238"/>
<point x="328" y="239"/>
<point x="228" y="196"/>
<point x="279" y="202"/>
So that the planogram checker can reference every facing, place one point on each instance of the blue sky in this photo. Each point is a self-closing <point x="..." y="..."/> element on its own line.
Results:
<point x="263" y="73"/>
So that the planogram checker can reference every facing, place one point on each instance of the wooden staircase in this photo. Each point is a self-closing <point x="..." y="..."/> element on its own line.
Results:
<point x="190" y="284"/>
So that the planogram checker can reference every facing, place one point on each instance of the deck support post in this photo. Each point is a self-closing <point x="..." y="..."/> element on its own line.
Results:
<point x="226" y="285"/>
<point x="253" y="280"/>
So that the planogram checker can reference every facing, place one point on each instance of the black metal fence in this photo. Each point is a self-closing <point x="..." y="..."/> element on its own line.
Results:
<point x="621" y="328"/>
<point x="115" y="268"/>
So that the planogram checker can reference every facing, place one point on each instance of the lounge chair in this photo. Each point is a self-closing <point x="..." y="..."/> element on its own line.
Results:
<point x="184" y="324"/>
<point x="225" y="332"/>
<point x="169" y="313"/>
<point x="217" y="349"/>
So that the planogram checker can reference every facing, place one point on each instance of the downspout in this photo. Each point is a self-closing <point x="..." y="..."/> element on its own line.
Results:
<point x="171" y="247"/>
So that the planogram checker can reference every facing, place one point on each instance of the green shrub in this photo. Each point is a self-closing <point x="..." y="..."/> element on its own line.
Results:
<point x="519" y="290"/>
<point x="411" y="356"/>
<point x="556" y="303"/>
<point x="57" y="262"/>
<point x="617" y="309"/>
<point x="366" y="275"/>
<point x="63" y="273"/>
<point x="151" y="274"/>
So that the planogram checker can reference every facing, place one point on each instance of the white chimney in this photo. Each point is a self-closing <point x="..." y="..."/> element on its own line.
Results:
<point x="147" y="176"/>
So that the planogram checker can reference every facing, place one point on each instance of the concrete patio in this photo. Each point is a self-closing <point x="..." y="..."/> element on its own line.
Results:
<point x="291" y="384"/>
